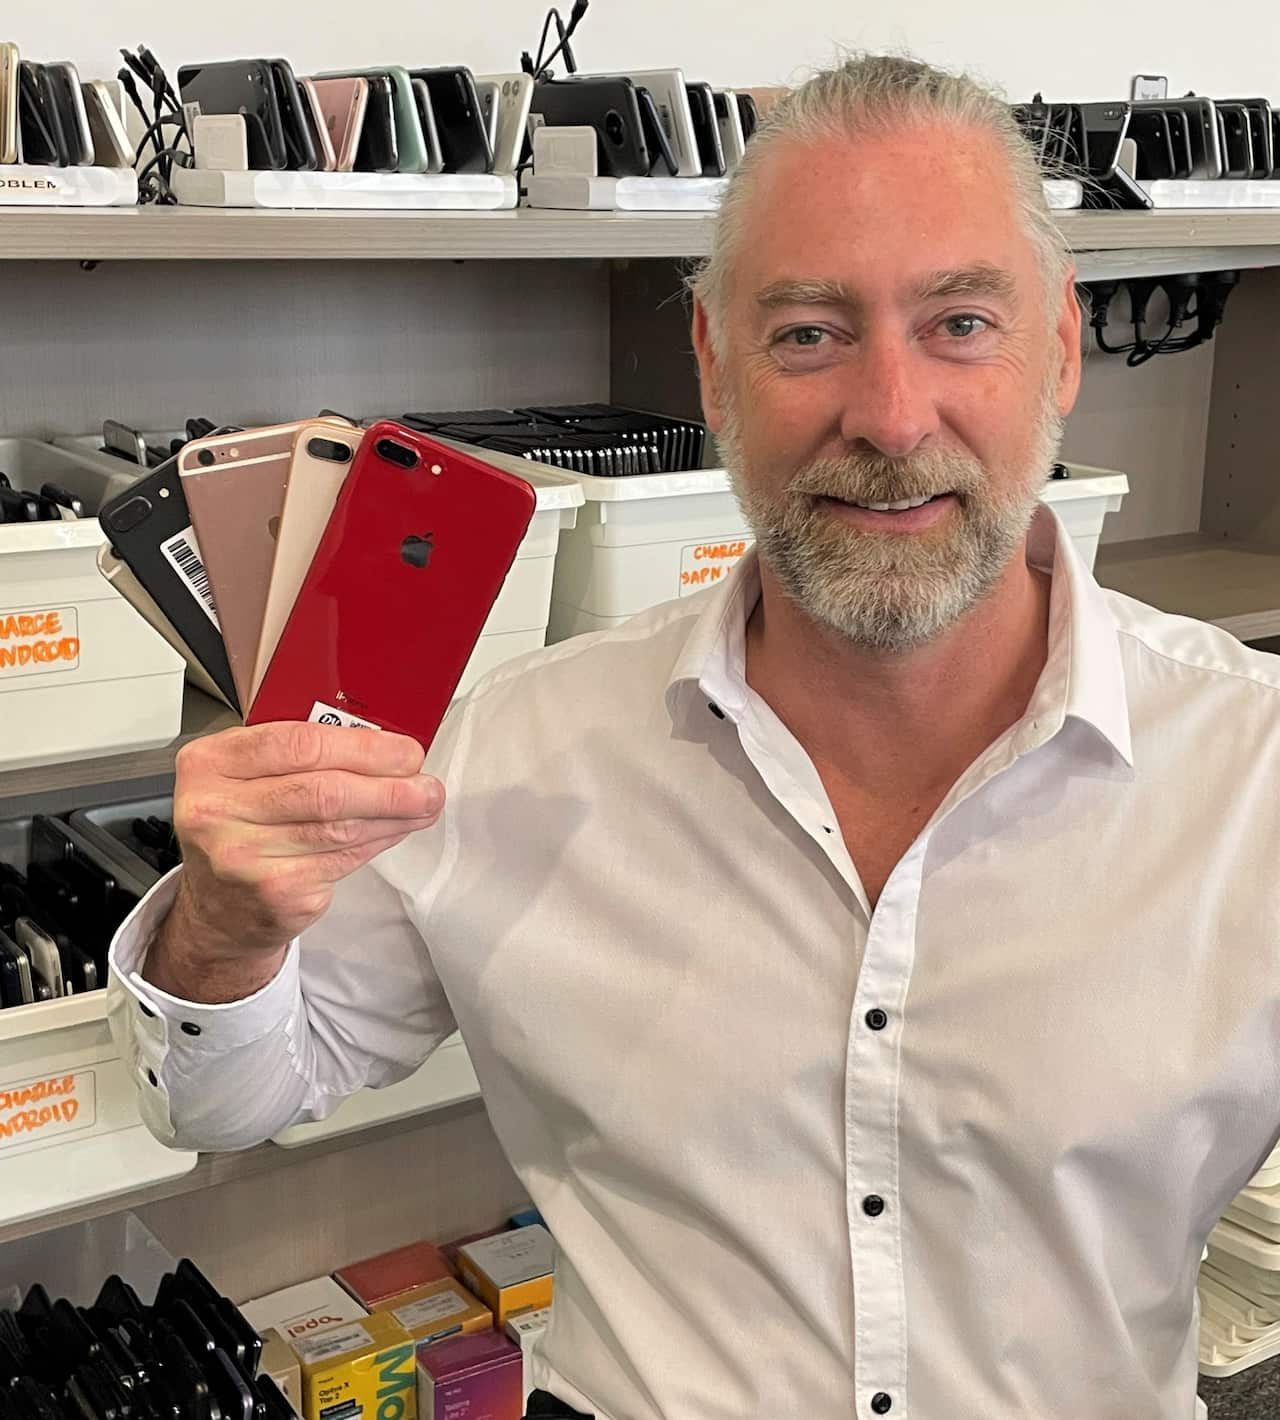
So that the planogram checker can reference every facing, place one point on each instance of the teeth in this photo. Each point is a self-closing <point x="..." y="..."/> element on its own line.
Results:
<point x="900" y="506"/>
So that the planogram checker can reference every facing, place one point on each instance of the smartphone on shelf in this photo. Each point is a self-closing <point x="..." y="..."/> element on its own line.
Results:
<point x="42" y="952"/>
<point x="511" y="128"/>
<point x="378" y="151"/>
<point x="608" y="104"/>
<point x="111" y="145"/>
<point x="487" y="92"/>
<point x="321" y="460"/>
<point x="244" y="86"/>
<point x="671" y="95"/>
<point x="9" y="81"/>
<point x="1202" y="132"/>
<point x="427" y="118"/>
<point x="149" y="528"/>
<point x="15" y="974"/>
<point x="706" y="130"/>
<point x="397" y="594"/>
<point x="412" y="150"/>
<point x="729" y="122"/>
<point x="326" y="158"/>
<point x="749" y="116"/>
<point x="464" y="136"/>
<point x="300" y="150"/>
<point x="1234" y="140"/>
<point x="64" y="88"/>
<point x="655" y="136"/>
<point x="343" y="103"/>
<point x="40" y="138"/>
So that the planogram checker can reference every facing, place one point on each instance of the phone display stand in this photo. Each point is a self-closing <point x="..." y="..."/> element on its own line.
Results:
<point x="1204" y="192"/>
<point x="25" y="185"/>
<point x="565" y="175"/>
<point x="214" y="186"/>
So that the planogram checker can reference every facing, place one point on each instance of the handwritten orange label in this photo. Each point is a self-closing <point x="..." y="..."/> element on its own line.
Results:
<point x="702" y="564"/>
<point x="38" y="641"/>
<point x="37" y="1109"/>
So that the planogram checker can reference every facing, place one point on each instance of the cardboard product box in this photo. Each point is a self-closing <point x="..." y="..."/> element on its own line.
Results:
<point x="391" y="1274"/>
<point x="526" y="1329"/>
<point x="511" y="1272"/>
<point x="303" y="1310"/>
<point x="280" y="1362"/>
<point x="363" y="1370"/>
<point x="450" y="1250"/>
<point x="471" y="1378"/>
<point x="439" y="1310"/>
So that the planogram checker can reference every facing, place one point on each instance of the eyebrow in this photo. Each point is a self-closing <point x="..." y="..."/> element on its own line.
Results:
<point x="980" y="279"/>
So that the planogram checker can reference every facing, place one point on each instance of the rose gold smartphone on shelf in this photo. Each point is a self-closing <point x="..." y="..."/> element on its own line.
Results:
<point x="8" y="103"/>
<point x="326" y="158"/>
<point x="322" y="456"/>
<point x="342" y="108"/>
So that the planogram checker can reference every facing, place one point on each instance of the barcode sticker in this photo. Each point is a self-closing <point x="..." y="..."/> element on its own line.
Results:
<point x="182" y="552"/>
<point x="322" y="714"/>
<point x="429" y="1309"/>
<point x="332" y="1343"/>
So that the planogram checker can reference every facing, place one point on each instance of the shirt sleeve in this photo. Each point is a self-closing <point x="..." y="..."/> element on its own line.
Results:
<point x="356" y="1003"/>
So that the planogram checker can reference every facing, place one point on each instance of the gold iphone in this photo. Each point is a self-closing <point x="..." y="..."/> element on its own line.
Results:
<point x="8" y="103"/>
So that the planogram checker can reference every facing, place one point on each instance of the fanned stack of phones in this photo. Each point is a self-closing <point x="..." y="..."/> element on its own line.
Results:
<point x="49" y="118"/>
<point x="317" y="571"/>
<point x="52" y="503"/>
<point x="600" y="439"/>
<point x="190" y="1356"/>
<point x="383" y="119"/>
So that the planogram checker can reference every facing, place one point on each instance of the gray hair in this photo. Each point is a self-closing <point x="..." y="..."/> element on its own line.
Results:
<point x="880" y="93"/>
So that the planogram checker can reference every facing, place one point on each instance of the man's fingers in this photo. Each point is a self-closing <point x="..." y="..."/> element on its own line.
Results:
<point x="335" y="795"/>
<point x="310" y="839"/>
<point x="269" y="751"/>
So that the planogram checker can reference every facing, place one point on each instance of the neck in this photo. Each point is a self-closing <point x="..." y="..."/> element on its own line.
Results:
<point x="897" y="720"/>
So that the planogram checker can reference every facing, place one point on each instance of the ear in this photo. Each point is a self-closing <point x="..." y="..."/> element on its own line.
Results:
<point x="1070" y="355"/>
<point x="709" y="372"/>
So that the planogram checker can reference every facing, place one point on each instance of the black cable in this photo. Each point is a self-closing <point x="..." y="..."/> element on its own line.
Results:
<point x="538" y="65"/>
<point x="566" y="34"/>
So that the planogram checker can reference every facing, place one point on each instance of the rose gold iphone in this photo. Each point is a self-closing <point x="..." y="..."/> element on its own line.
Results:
<point x="342" y="106"/>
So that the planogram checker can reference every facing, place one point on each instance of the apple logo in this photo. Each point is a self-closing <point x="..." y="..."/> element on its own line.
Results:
<point x="416" y="551"/>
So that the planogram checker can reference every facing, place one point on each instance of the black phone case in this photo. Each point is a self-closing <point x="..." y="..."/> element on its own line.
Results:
<point x="76" y="139"/>
<point x="228" y="1387"/>
<point x="42" y="137"/>
<point x="611" y="107"/>
<point x="464" y="138"/>
<point x="655" y="136"/>
<point x="749" y="113"/>
<point x="300" y="149"/>
<point x="702" y="104"/>
<point x="378" y="151"/>
<point x="241" y="86"/>
<point x="152" y="513"/>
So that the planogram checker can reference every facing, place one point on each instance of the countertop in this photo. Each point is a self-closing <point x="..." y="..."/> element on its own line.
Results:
<point x="1252" y="1395"/>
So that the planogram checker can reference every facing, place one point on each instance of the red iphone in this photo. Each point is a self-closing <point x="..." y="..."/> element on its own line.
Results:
<point x="411" y="561"/>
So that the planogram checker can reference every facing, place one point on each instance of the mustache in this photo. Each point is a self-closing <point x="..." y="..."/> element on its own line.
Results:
<point x="875" y="478"/>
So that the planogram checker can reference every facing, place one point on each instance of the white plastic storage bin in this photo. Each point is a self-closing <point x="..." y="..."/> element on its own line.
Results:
<point x="646" y="539"/>
<point x="75" y="1261"/>
<point x="81" y="674"/>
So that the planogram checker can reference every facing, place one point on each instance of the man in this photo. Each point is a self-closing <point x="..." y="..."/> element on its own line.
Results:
<point x="870" y="964"/>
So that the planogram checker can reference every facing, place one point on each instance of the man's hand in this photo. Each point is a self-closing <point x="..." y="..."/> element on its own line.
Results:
<point x="270" y="820"/>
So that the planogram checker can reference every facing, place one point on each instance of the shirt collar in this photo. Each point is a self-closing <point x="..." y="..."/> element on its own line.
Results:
<point x="1083" y="678"/>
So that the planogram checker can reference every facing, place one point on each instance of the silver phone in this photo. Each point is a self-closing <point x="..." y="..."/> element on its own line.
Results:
<point x="511" y="117"/>
<point x="729" y="122"/>
<point x="430" y="131"/>
<point x="43" y="951"/>
<point x="111" y="146"/>
<point x="671" y="96"/>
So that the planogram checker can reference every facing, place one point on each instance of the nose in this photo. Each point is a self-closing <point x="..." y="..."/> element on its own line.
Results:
<point x="888" y="403"/>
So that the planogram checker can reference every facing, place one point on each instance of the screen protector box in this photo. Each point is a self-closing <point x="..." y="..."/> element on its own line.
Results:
<point x="439" y="1310"/>
<point x="477" y="1377"/>
<point x="303" y="1310"/>
<point x="391" y="1274"/>
<point x="510" y="1272"/>
<point x="361" y="1371"/>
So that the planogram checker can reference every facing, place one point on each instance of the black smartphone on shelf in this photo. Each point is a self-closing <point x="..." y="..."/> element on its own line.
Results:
<point x="608" y="104"/>
<point x="39" y="131"/>
<point x="63" y="81"/>
<point x="150" y="529"/>
<point x="1258" y="117"/>
<point x="1235" y="141"/>
<point x="655" y="136"/>
<point x="378" y="151"/>
<point x="749" y="114"/>
<point x="706" y="130"/>
<point x="1151" y="131"/>
<point x="1103" y="127"/>
<point x="300" y="148"/>
<point x="460" y="122"/>
<point x="244" y="86"/>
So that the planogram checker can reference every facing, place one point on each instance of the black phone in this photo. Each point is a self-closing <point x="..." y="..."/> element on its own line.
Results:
<point x="299" y="145"/>
<point x="655" y="135"/>
<point x="149" y="528"/>
<point x="1180" y="137"/>
<point x="611" y="106"/>
<point x="15" y="974"/>
<point x="749" y="114"/>
<point x="460" y="121"/>
<point x="1151" y="131"/>
<point x="228" y="1387"/>
<point x="118" y="1301"/>
<point x="1258" y="117"/>
<point x="184" y="1378"/>
<point x="379" y="151"/>
<point x="702" y="103"/>
<point x="38" y="125"/>
<point x="56" y="493"/>
<point x="1234" y="139"/>
<point x="16" y="507"/>
<point x="244" y="86"/>
<point x="1103" y="127"/>
<point x="63" y="87"/>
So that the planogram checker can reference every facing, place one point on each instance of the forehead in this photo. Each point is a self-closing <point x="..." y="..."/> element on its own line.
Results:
<point x="879" y="210"/>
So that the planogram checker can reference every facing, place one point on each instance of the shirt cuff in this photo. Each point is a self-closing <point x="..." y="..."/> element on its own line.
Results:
<point x="218" y="1027"/>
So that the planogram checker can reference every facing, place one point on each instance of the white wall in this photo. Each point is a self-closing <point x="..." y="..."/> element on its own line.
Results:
<point x="1087" y="50"/>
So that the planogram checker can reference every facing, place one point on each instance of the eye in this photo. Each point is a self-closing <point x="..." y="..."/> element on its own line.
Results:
<point x="965" y="325"/>
<point x="804" y="336"/>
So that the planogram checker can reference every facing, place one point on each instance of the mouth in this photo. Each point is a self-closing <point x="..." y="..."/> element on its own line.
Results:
<point x="901" y="515"/>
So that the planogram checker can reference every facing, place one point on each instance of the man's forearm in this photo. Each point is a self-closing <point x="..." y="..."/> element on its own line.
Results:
<point x="194" y="961"/>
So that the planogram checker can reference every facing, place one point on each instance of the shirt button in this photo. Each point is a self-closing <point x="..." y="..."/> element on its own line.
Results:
<point x="147" y="1011"/>
<point x="877" y="1019"/>
<point x="151" y="1075"/>
<point x="715" y="709"/>
<point x="882" y="1403"/>
<point x="873" y="1205"/>
<point x="188" y="1028"/>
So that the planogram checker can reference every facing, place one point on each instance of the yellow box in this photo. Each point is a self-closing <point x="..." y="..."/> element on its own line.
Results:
<point x="280" y="1362"/>
<point x="510" y="1272"/>
<point x="362" y="1370"/>
<point x="438" y="1310"/>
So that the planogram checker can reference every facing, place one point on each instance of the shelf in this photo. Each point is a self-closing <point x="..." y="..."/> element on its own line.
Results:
<point x="235" y="234"/>
<point x="1233" y="585"/>
<point x="201" y="715"/>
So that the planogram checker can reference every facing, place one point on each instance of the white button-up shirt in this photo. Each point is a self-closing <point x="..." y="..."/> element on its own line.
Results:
<point x="950" y="1159"/>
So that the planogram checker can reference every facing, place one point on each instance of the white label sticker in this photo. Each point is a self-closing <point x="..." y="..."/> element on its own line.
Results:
<point x="332" y="1343"/>
<point x="429" y="1309"/>
<point x="38" y="641"/>
<point x="33" y="1111"/>
<point x="182" y="552"/>
<point x="322" y="714"/>
<point x="703" y="564"/>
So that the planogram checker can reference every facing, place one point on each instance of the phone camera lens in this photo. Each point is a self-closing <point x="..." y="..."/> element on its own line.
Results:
<point x="126" y="518"/>
<point x="329" y="449"/>
<point x="204" y="457"/>
<point x="397" y="453"/>
<point x="614" y="128"/>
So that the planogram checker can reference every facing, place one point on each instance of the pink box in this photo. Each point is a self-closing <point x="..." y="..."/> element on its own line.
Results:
<point x="478" y="1377"/>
